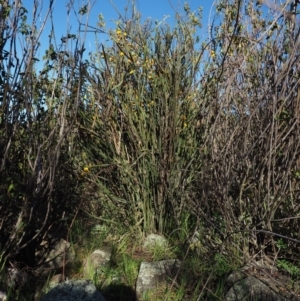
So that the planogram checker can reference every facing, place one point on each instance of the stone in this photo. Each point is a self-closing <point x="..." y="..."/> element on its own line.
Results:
<point x="243" y="287"/>
<point x="16" y="278"/>
<point x="55" y="280"/>
<point x="153" y="273"/>
<point x="195" y="242"/>
<point x="251" y="288"/>
<point x="74" y="290"/>
<point x="155" y="240"/>
<point x="99" y="230"/>
<point x="96" y="261"/>
<point x="54" y="255"/>
<point x="3" y="296"/>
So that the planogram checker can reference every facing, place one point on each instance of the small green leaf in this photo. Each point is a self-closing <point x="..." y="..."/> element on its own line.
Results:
<point x="10" y="188"/>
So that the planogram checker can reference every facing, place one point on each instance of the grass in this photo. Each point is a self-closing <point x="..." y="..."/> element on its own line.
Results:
<point x="202" y="276"/>
<point x="117" y="279"/>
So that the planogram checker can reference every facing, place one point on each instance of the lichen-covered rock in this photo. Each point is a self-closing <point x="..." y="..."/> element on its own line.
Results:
<point x="75" y="290"/>
<point x="244" y="287"/>
<point x="152" y="274"/>
<point x="251" y="288"/>
<point x="154" y="240"/>
<point x="95" y="262"/>
<point x="54" y="254"/>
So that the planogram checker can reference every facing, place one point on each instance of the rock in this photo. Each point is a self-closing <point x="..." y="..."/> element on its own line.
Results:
<point x="77" y="290"/>
<point x="99" y="230"/>
<point x="3" y="296"/>
<point x="96" y="261"/>
<point x="251" y="288"/>
<point x="16" y="278"/>
<point x="155" y="240"/>
<point x="54" y="255"/>
<point x="195" y="242"/>
<point x="245" y="287"/>
<point x="55" y="280"/>
<point x="153" y="273"/>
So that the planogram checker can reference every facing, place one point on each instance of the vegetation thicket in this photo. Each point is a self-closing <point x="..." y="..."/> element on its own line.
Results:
<point x="158" y="131"/>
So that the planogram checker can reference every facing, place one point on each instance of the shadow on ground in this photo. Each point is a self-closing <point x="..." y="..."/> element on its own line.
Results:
<point x="119" y="292"/>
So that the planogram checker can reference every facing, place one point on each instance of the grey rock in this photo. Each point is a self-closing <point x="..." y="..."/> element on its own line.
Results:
<point x="16" y="278"/>
<point x="2" y="296"/>
<point x="248" y="288"/>
<point x="155" y="240"/>
<point x="99" y="230"/>
<point x="53" y="255"/>
<point x="55" y="280"/>
<point x="153" y="273"/>
<point x="96" y="261"/>
<point x="75" y="290"/>
<point x="195" y="243"/>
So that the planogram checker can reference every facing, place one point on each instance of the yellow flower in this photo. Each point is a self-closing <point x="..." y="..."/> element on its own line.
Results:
<point x="121" y="53"/>
<point x="86" y="169"/>
<point x="212" y="54"/>
<point x="120" y="34"/>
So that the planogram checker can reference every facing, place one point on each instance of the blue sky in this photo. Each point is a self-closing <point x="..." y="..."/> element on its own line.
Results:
<point x="154" y="9"/>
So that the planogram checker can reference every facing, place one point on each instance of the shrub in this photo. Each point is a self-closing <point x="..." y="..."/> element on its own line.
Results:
<point x="140" y="131"/>
<point x="38" y="108"/>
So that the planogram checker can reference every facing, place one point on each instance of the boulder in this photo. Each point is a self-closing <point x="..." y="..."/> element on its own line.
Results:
<point x="155" y="240"/>
<point x="260" y="285"/>
<point x="96" y="261"/>
<point x="153" y="273"/>
<point x="74" y="290"/>
<point x="251" y="288"/>
<point x="54" y="254"/>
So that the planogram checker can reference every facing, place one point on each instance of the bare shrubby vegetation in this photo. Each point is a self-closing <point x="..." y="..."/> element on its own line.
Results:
<point x="38" y="111"/>
<point x="154" y="131"/>
<point x="251" y="183"/>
